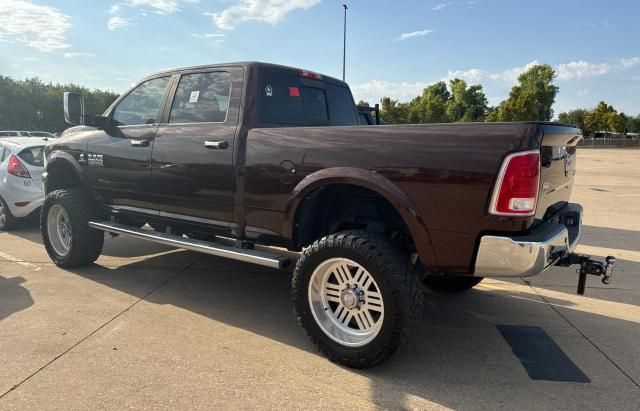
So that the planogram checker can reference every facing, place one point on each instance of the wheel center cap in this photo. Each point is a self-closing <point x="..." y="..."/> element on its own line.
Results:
<point x="349" y="299"/>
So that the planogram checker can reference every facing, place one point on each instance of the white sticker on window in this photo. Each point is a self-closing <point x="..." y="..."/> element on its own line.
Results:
<point x="194" y="96"/>
<point x="268" y="90"/>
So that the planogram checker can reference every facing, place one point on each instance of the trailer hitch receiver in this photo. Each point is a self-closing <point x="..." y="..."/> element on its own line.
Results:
<point x="589" y="266"/>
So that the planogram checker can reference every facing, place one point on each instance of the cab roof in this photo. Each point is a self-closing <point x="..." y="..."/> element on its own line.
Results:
<point x="244" y="64"/>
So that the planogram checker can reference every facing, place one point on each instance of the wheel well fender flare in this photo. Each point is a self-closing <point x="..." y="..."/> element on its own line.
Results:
<point x="372" y="181"/>
<point x="61" y="159"/>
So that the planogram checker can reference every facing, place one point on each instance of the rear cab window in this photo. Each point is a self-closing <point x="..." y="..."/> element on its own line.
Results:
<point x="34" y="156"/>
<point x="288" y="98"/>
<point x="201" y="98"/>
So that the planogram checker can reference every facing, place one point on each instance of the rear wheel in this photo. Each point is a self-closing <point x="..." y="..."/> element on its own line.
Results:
<point x="7" y="221"/>
<point x="356" y="296"/>
<point x="68" y="239"/>
<point x="451" y="285"/>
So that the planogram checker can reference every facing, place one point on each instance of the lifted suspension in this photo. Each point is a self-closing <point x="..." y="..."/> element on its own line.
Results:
<point x="589" y="266"/>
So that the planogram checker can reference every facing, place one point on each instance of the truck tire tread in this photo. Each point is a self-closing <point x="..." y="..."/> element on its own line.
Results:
<point x="87" y="242"/>
<point x="394" y="271"/>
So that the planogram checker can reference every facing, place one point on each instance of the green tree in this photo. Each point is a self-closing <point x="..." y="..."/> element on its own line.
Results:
<point x="531" y="99"/>
<point x="633" y="124"/>
<point x="600" y="118"/>
<point x="31" y="104"/>
<point x="393" y="112"/>
<point x="466" y="104"/>
<point x="618" y="122"/>
<point x="576" y="117"/>
<point x="430" y="107"/>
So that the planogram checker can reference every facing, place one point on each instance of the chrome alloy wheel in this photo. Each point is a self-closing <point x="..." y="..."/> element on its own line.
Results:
<point x="346" y="302"/>
<point x="59" y="229"/>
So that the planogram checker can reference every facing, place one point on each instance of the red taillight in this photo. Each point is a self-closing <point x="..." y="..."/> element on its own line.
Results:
<point x="16" y="168"/>
<point x="310" y="74"/>
<point x="516" y="191"/>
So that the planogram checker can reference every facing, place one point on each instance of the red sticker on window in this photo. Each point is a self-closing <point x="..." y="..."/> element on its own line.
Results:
<point x="294" y="92"/>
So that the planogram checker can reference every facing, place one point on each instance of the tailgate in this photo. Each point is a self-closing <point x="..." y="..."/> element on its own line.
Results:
<point x="558" y="163"/>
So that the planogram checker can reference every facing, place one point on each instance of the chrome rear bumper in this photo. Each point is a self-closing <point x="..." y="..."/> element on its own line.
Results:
<point x="523" y="256"/>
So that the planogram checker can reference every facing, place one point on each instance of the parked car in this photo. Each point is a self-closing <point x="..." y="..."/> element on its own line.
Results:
<point x="44" y="134"/>
<point x="14" y="133"/>
<point x="267" y="155"/>
<point x="21" y="187"/>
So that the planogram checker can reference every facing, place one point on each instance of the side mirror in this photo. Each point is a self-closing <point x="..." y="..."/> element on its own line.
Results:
<point x="74" y="108"/>
<point x="74" y="112"/>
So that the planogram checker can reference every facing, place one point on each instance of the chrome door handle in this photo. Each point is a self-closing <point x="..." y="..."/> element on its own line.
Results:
<point x="140" y="143"/>
<point x="216" y="144"/>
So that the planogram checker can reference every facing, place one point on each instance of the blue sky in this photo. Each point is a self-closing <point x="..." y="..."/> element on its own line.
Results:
<point x="394" y="48"/>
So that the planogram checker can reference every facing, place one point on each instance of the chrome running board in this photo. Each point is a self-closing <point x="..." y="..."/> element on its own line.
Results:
<point x="240" y="254"/>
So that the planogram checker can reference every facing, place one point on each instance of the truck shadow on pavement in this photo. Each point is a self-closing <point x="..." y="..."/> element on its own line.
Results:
<point x="13" y="296"/>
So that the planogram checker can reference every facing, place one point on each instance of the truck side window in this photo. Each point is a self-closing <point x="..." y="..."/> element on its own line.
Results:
<point x="201" y="98"/>
<point x="142" y="104"/>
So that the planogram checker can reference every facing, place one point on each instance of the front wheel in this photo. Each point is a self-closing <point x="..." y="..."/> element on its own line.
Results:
<point x="356" y="296"/>
<point x="64" y="222"/>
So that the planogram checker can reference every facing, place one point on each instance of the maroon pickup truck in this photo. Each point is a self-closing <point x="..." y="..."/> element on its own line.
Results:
<point x="254" y="161"/>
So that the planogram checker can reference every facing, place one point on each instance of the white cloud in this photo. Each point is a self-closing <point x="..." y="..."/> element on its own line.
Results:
<point x="628" y="63"/>
<point x="511" y="75"/>
<point x="373" y="90"/>
<point x="269" y="11"/>
<point x="578" y="69"/>
<point x="116" y="23"/>
<point x="440" y="6"/>
<point x="41" y="27"/>
<point x="74" y="54"/>
<point x="418" y="33"/>
<point x="209" y="35"/>
<point x="474" y="75"/>
<point x="161" y="6"/>
<point x="581" y="68"/>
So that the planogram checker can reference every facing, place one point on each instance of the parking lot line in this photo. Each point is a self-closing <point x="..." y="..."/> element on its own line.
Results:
<point x="19" y="261"/>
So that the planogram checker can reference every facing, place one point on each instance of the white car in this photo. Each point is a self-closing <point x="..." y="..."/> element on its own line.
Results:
<point x="14" y="133"/>
<point x="21" y="187"/>
<point x="44" y="134"/>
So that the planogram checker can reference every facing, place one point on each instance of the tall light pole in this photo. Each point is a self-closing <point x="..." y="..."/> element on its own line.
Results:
<point x="344" y="42"/>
